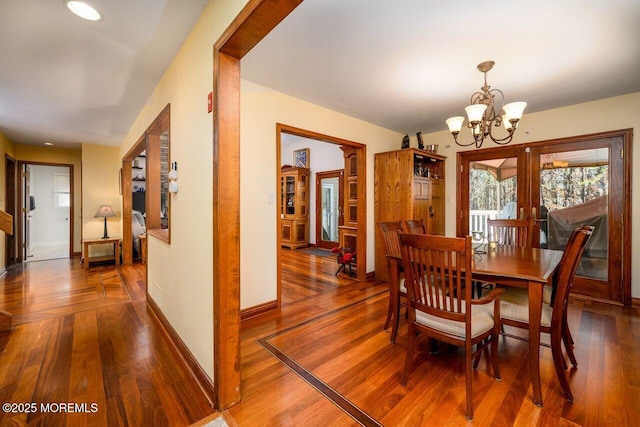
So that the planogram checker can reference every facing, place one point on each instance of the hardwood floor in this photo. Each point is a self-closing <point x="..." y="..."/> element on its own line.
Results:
<point x="87" y="337"/>
<point x="325" y="360"/>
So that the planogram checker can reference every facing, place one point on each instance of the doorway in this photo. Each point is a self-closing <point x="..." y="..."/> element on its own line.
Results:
<point x="559" y="184"/>
<point x="329" y="202"/>
<point x="46" y="206"/>
<point x="11" y="240"/>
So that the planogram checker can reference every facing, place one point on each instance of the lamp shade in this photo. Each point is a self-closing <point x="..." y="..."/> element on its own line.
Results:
<point x="514" y="110"/>
<point x="455" y="123"/>
<point x="475" y="112"/>
<point x="104" y="211"/>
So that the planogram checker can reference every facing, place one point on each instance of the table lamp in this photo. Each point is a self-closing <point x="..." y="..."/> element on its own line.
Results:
<point x="105" y="212"/>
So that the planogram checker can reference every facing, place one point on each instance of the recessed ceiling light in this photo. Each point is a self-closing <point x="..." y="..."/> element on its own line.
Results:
<point x="83" y="10"/>
<point x="48" y="143"/>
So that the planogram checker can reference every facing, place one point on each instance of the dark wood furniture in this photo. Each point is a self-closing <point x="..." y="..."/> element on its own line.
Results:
<point x="87" y="243"/>
<point x="409" y="184"/>
<point x="528" y="268"/>
<point x="397" y="290"/>
<point x="348" y="231"/>
<point x="294" y="207"/>
<point x="515" y="306"/>
<point x="435" y="288"/>
<point x="516" y="232"/>
<point x="414" y="226"/>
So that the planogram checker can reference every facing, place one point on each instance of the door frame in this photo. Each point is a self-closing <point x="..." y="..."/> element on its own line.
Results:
<point x="22" y="203"/>
<point x="252" y="24"/>
<point x="11" y="207"/>
<point x="361" y="153"/>
<point x="622" y="293"/>
<point x="338" y="173"/>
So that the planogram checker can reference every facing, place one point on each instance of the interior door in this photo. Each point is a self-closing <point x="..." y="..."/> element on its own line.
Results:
<point x="560" y="184"/>
<point x="329" y="199"/>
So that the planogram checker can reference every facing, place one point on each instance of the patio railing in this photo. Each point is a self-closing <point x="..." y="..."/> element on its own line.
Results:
<point x="478" y="220"/>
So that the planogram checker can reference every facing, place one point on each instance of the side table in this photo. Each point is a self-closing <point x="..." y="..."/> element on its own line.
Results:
<point x="86" y="243"/>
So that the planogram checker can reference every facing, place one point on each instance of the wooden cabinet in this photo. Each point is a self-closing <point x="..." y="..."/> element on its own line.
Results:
<point x="409" y="184"/>
<point x="294" y="207"/>
<point x="348" y="232"/>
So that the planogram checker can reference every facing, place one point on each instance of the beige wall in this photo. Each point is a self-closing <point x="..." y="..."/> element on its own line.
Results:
<point x="180" y="274"/>
<point x="620" y="112"/>
<point x="261" y="109"/>
<point x="33" y="153"/>
<point x="7" y="147"/>
<point x="100" y="186"/>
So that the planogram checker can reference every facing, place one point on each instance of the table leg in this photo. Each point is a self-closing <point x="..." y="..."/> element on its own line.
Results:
<point x="116" y="251"/>
<point x="535" y="310"/>
<point x="85" y="253"/>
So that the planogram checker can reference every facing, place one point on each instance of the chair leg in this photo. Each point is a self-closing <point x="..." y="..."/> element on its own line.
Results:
<point x="409" y="357"/>
<point x="494" y="355"/>
<point x="468" y="373"/>
<point x="558" y="362"/>
<point x="340" y="269"/>
<point x="568" y="344"/>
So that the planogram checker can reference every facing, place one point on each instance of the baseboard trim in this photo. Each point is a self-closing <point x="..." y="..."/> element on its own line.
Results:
<point x="635" y="302"/>
<point x="258" y="310"/>
<point x="194" y="368"/>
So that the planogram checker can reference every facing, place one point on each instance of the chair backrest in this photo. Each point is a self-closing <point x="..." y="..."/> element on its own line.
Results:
<point x="568" y="266"/>
<point x="432" y="266"/>
<point x="390" y="232"/>
<point x="414" y="226"/>
<point x="510" y="232"/>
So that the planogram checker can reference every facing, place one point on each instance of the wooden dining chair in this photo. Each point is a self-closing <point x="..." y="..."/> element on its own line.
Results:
<point x="506" y="232"/>
<point x="514" y="310"/>
<point x="390" y="235"/>
<point x="510" y="232"/>
<point x="438" y="278"/>
<point x="414" y="226"/>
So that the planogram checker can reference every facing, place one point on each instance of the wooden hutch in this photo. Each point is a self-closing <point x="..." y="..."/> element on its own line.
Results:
<point x="409" y="184"/>
<point x="294" y="207"/>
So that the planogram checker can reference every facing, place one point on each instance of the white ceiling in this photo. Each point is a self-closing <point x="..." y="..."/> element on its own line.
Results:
<point x="408" y="65"/>
<point x="405" y="65"/>
<point x="69" y="81"/>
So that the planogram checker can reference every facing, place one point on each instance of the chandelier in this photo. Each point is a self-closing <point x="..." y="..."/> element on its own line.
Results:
<point x="484" y="117"/>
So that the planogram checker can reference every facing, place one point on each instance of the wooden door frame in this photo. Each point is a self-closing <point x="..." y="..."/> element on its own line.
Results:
<point x="623" y="197"/>
<point x="338" y="173"/>
<point x="252" y="24"/>
<point x="11" y="207"/>
<point x="20" y="189"/>
<point x="126" y="184"/>
<point x="361" y="153"/>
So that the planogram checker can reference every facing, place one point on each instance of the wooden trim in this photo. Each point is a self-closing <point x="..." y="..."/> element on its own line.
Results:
<point x="127" y="203"/>
<point x="253" y="22"/>
<point x="257" y="310"/>
<point x="181" y="349"/>
<point x="226" y="230"/>
<point x="361" y="153"/>
<point x="72" y="208"/>
<point x="635" y="302"/>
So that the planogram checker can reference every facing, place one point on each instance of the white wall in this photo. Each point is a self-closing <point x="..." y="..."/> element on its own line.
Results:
<point x="49" y="226"/>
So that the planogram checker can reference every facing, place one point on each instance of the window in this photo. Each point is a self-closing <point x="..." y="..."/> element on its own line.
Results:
<point x="61" y="191"/>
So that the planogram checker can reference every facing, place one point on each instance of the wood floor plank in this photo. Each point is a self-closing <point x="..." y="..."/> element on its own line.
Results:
<point x="108" y="351"/>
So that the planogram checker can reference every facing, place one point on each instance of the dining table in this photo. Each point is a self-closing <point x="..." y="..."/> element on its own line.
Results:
<point x="522" y="267"/>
